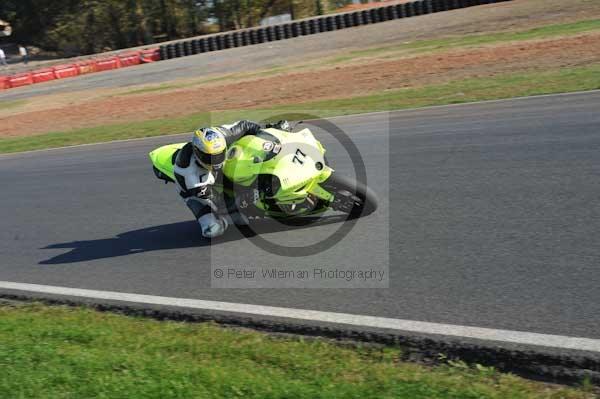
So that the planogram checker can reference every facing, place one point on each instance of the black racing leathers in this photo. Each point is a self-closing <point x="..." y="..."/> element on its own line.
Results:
<point x="194" y="182"/>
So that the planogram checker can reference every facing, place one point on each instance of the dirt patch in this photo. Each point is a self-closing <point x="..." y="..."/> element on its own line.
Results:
<point x="337" y="82"/>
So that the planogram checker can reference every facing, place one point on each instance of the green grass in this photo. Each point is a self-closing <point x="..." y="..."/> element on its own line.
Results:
<point x="102" y="133"/>
<point x="11" y="104"/>
<point x="468" y="90"/>
<point x="59" y="352"/>
<point x="545" y="32"/>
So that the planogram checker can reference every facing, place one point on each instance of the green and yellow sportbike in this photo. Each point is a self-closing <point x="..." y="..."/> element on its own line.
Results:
<point x="287" y="173"/>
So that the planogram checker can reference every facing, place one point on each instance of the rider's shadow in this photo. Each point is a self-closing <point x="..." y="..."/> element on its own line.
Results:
<point x="168" y="236"/>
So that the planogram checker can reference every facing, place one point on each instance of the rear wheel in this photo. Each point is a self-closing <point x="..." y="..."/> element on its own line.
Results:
<point x="350" y="196"/>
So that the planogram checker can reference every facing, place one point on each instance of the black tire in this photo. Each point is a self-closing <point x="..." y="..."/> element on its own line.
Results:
<point x="228" y="40"/>
<point x="278" y="30"/>
<point x="322" y="24"/>
<point x="287" y="31"/>
<point x="187" y="48"/>
<point x="220" y="42"/>
<point x="351" y="197"/>
<point x="164" y="55"/>
<point x="244" y="38"/>
<point x="178" y="49"/>
<point x="202" y="46"/>
<point x="294" y="29"/>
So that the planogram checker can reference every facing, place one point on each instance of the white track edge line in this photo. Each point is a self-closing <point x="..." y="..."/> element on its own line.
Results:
<point x="500" y="100"/>
<point x="486" y="334"/>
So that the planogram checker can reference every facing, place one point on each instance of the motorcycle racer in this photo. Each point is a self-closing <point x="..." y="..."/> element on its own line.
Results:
<point x="197" y="168"/>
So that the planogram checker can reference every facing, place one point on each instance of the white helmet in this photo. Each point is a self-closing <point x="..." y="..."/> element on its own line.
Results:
<point x="209" y="147"/>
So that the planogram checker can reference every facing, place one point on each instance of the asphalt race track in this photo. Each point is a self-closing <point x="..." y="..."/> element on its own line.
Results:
<point x="493" y="211"/>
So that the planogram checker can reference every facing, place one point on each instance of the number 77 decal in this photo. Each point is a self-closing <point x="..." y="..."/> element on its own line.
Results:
<point x="298" y="160"/>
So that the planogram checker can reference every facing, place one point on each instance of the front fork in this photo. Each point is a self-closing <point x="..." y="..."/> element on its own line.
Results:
<point x="319" y="191"/>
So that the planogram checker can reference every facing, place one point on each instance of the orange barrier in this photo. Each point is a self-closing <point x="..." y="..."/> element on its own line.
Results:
<point x="150" y="55"/>
<point x="130" y="59"/>
<point x="4" y="82"/>
<point x="106" y="64"/>
<point x="43" y="75"/>
<point x="22" y="79"/>
<point x="86" y="67"/>
<point x="80" y="68"/>
<point x="65" y="71"/>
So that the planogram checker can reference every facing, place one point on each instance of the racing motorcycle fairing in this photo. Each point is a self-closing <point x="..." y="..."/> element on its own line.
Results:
<point x="287" y="171"/>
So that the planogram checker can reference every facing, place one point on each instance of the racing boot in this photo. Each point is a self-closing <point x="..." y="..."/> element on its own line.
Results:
<point x="212" y="225"/>
<point x="215" y="225"/>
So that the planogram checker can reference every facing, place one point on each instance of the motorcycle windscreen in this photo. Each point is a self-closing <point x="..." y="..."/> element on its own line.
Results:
<point x="162" y="158"/>
<point x="300" y="160"/>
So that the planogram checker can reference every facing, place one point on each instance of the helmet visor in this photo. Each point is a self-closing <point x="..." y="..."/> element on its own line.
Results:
<point x="208" y="160"/>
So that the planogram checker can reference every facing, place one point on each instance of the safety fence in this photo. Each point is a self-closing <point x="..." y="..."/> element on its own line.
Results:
<point x="122" y="60"/>
<point x="240" y="38"/>
<point x="311" y="26"/>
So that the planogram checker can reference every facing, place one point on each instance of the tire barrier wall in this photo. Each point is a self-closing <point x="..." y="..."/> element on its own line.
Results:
<point x="122" y="60"/>
<point x="312" y="26"/>
<point x="246" y="37"/>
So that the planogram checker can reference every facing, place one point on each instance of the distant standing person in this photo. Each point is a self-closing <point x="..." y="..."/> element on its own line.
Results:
<point x="24" y="55"/>
<point x="2" y="58"/>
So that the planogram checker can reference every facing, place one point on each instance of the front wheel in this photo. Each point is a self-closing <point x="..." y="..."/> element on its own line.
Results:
<point x="350" y="196"/>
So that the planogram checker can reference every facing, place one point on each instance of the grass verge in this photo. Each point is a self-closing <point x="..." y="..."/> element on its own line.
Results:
<point x="463" y="91"/>
<point x="59" y="352"/>
<point x="11" y="104"/>
<point x="544" y="32"/>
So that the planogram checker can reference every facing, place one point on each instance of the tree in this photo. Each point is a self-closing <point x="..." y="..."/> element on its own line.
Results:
<point x="88" y="26"/>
